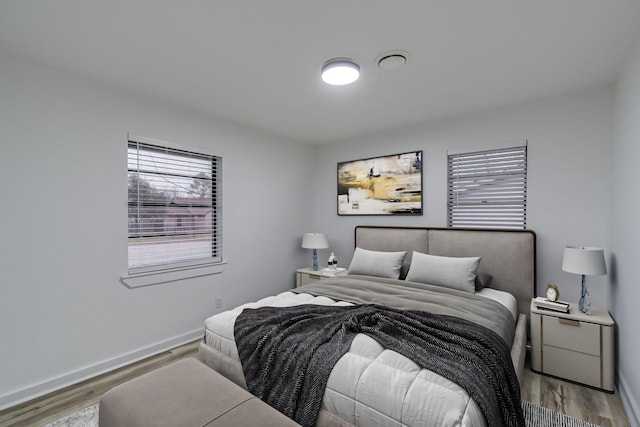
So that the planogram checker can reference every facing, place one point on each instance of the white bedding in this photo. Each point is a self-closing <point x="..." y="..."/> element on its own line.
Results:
<point x="420" y="397"/>
<point x="504" y="298"/>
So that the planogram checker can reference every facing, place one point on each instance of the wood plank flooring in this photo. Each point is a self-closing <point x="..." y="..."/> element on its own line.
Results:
<point x="581" y="402"/>
<point x="69" y="400"/>
<point x="594" y="406"/>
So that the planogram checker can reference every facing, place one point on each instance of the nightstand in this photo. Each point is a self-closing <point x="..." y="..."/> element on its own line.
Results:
<point x="574" y="346"/>
<point x="308" y="275"/>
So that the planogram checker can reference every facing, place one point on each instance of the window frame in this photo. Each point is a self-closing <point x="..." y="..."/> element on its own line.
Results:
<point x="171" y="270"/>
<point x="501" y="200"/>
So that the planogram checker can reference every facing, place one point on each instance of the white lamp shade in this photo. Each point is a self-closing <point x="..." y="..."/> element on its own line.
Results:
<point x="584" y="260"/>
<point x="314" y="241"/>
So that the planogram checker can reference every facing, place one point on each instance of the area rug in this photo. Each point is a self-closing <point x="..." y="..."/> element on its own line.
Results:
<point x="87" y="417"/>
<point x="539" y="416"/>
<point x="534" y="416"/>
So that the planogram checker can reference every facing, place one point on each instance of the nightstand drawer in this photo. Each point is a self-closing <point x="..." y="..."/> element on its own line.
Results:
<point x="305" y="279"/>
<point x="305" y="276"/>
<point x="573" y="335"/>
<point x="580" y="367"/>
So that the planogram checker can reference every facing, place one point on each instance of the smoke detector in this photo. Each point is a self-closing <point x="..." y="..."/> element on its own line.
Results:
<point x="392" y="60"/>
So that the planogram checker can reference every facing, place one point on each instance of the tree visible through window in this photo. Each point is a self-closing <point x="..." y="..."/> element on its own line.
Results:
<point x="174" y="208"/>
<point x="488" y="188"/>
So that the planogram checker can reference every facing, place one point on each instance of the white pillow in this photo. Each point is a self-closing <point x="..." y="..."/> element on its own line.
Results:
<point x="456" y="273"/>
<point x="376" y="263"/>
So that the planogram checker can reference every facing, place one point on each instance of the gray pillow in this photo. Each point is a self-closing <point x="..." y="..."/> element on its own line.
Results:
<point x="376" y="263"/>
<point x="483" y="280"/>
<point x="451" y="272"/>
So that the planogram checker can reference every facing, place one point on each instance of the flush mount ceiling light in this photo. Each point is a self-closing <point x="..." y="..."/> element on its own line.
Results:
<point x="392" y="60"/>
<point x="340" y="71"/>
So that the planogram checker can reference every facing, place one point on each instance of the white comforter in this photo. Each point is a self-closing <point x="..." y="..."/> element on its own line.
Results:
<point x="412" y="396"/>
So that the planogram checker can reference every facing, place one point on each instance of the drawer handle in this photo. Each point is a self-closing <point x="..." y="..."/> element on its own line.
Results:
<point x="313" y="276"/>
<point x="569" y="321"/>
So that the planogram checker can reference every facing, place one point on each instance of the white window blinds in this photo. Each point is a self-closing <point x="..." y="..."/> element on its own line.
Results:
<point x="174" y="199"/>
<point x="488" y="188"/>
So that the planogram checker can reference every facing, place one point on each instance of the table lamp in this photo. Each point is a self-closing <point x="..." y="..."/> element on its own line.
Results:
<point x="587" y="262"/>
<point x="314" y="241"/>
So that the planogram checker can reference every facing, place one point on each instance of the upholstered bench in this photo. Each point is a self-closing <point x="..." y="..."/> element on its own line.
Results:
<point x="186" y="393"/>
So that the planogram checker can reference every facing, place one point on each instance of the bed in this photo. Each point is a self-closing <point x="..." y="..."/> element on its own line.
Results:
<point x="371" y="384"/>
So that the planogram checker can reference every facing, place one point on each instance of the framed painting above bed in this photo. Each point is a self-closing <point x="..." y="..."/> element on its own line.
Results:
<point x="387" y="185"/>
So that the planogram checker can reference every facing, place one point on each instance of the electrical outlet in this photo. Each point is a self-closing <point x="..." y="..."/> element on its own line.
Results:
<point x="218" y="302"/>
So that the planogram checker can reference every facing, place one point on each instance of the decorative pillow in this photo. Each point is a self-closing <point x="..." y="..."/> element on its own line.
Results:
<point x="455" y="273"/>
<point x="376" y="263"/>
<point x="483" y="280"/>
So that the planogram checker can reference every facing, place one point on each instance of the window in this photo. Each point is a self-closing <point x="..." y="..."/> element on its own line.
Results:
<point x="488" y="188"/>
<point x="174" y="199"/>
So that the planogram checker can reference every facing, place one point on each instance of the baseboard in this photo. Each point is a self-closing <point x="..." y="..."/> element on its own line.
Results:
<point x="14" y="398"/>
<point x="628" y="401"/>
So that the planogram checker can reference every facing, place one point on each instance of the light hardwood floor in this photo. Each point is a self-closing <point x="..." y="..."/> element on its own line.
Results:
<point x="581" y="402"/>
<point x="594" y="406"/>
<point x="61" y="403"/>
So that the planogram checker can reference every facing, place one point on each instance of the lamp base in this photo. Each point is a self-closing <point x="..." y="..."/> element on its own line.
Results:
<point x="584" y="305"/>
<point x="314" y="260"/>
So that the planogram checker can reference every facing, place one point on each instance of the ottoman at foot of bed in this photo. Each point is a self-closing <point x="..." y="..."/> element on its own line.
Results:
<point x="186" y="393"/>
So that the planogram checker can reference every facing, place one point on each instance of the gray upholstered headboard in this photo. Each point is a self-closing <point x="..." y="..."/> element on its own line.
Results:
<point x="508" y="255"/>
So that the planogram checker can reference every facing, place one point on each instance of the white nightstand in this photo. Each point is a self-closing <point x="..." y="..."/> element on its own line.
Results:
<point x="308" y="275"/>
<point x="574" y="346"/>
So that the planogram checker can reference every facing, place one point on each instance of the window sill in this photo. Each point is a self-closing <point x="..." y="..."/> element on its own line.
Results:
<point x="157" y="278"/>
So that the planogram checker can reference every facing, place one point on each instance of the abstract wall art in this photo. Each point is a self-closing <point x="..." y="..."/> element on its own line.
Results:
<point x="388" y="185"/>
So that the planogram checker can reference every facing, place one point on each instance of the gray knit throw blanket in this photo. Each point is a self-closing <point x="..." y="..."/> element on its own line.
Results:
<point x="287" y="354"/>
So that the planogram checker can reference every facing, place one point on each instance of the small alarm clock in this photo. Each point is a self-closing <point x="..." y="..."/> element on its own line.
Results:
<point x="552" y="292"/>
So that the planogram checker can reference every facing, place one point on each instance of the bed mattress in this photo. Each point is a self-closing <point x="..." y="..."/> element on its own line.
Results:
<point x="419" y="397"/>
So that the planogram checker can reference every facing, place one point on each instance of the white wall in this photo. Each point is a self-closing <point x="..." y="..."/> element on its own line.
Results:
<point x="569" y="176"/>
<point x="625" y="289"/>
<point x="63" y="312"/>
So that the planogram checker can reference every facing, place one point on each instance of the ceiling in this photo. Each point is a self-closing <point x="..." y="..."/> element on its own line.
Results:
<point x="258" y="62"/>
